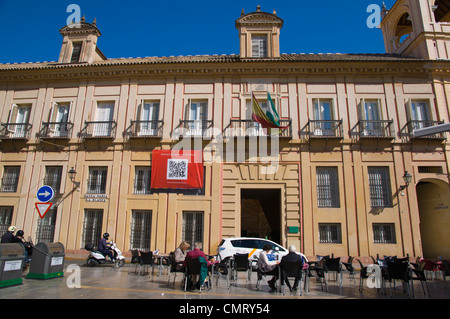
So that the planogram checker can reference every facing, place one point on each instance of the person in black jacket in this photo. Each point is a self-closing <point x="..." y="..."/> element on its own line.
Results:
<point x="292" y="256"/>
<point x="9" y="235"/>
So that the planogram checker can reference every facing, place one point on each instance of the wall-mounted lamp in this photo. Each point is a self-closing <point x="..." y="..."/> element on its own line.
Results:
<point x="72" y="172"/>
<point x="407" y="178"/>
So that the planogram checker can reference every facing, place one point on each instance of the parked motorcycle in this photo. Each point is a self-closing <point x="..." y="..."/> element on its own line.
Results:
<point x="96" y="258"/>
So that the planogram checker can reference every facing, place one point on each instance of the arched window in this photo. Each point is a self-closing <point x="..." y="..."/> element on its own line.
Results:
<point x="441" y="10"/>
<point x="403" y="29"/>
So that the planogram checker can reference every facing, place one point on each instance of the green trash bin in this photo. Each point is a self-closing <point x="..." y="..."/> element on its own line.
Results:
<point x="12" y="257"/>
<point x="47" y="261"/>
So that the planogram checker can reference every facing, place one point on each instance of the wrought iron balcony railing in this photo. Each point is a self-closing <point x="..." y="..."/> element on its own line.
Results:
<point x="247" y="128"/>
<point x="376" y="129"/>
<point x="98" y="129"/>
<point x="416" y="125"/>
<point x="325" y="129"/>
<point x="15" y="131"/>
<point x="194" y="128"/>
<point x="145" y="129"/>
<point x="56" y="130"/>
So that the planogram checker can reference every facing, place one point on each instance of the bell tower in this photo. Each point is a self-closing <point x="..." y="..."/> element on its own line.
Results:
<point x="80" y="43"/>
<point x="417" y="28"/>
<point x="259" y="34"/>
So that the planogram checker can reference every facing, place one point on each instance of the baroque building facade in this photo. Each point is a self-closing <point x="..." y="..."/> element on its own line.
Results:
<point x="331" y="182"/>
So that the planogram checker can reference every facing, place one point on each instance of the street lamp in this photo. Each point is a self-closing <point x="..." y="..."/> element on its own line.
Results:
<point x="72" y="172"/>
<point x="407" y="178"/>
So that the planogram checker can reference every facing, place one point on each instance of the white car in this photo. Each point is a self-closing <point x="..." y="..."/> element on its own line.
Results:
<point x="251" y="246"/>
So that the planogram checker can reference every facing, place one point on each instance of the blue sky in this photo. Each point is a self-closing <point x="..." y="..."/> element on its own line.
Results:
<point x="29" y="30"/>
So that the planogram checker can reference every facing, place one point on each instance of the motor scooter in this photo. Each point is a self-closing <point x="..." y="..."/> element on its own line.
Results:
<point x="97" y="258"/>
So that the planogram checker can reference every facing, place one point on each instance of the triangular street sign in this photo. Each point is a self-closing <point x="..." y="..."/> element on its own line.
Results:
<point x="43" y="208"/>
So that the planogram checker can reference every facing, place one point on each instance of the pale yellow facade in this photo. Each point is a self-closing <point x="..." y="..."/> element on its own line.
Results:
<point x="324" y="98"/>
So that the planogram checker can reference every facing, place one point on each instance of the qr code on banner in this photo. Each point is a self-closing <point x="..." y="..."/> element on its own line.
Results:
<point x="177" y="169"/>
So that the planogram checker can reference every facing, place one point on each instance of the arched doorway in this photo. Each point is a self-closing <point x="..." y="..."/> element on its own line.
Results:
<point x="433" y="198"/>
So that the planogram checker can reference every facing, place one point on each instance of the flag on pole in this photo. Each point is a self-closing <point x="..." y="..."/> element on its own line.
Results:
<point x="268" y="119"/>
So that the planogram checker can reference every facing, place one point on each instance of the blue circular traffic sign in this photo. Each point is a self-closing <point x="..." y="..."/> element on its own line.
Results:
<point x="45" y="194"/>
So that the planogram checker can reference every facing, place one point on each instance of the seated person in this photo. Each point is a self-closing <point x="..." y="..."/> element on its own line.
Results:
<point x="103" y="247"/>
<point x="267" y="266"/>
<point x="292" y="256"/>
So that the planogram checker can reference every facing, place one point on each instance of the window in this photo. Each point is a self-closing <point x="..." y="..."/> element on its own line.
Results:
<point x="380" y="187"/>
<point x="327" y="187"/>
<point x="76" y="52"/>
<point x="6" y="213"/>
<point x="47" y="233"/>
<point x="92" y="226"/>
<point x="197" y="116"/>
<point x="420" y="114"/>
<point x="148" y="117"/>
<point x="53" y="177"/>
<point x="259" y="46"/>
<point x="10" y="179"/>
<point x="323" y="124"/>
<point x="370" y="115"/>
<point x="104" y="119"/>
<point x="384" y="233"/>
<point x="18" y="121"/>
<point x="59" y="119"/>
<point x="330" y="233"/>
<point x="97" y="180"/>
<point x="141" y="226"/>
<point x="193" y="227"/>
<point x="142" y="180"/>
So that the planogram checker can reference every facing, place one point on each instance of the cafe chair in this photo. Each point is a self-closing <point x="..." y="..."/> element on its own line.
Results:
<point x="291" y="270"/>
<point x="222" y="269"/>
<point x="146" y="261"/>
<point x="174" y="267"/>
<point x="349" y="266"/>
<point x="419" y="274"/>
<point x="196" y="267"/>
<point x="318" y="271"/>
<point x="399" y="271"/>
<point x="262" y="275"/>
<point x="445" y="271"/>
<point x="362" y="274"/>
<point x="135" y="259"/>
<point x="240" y="262"/>
<point x="334" y="265"/>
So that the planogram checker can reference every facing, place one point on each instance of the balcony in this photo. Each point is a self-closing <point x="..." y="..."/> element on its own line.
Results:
<point x="55" y="130"/>
<point x="15" y="131"/>
<point x="99" y="130"/>
<point x="145" y="129"/>
<point x="249" y="128"/>
<point x="376" y="129"/>
<point x="415" y="125"/>
<point x="325" y="129"/>
<point x="194" y="128"/>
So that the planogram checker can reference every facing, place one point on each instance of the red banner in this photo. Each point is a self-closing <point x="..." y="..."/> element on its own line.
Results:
<point x="177" y="169"/>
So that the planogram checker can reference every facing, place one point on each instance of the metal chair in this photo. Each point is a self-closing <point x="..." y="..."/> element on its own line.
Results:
<point x="362" y="274"/>
<point x="399" y="271"/>
<point x="334" y="265"/>
<point x="445" y="271"/>
<point x="240" y="262"/>
<point x="194" y="267"/>
<point x="135" y="259"/>
<point x="174" y="267"/>
<point x="222" y="269"/>
<point x="419" y="273"/>
<point x="349" y="266"/>
<point x="318" y="271"/>
<point x="261" y="275"/>
<point x="288" y="270"/>
<point x="145" y="261"/>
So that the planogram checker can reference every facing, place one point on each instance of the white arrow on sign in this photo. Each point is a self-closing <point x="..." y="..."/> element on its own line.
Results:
<point x="45" y="193"/>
